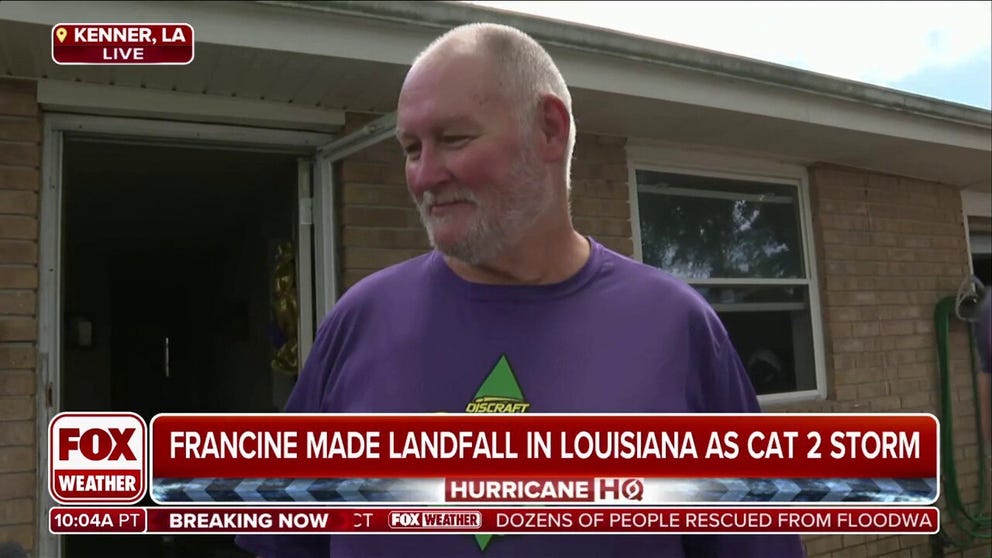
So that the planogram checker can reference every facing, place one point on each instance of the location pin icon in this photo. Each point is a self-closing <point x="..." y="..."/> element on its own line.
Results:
<point x="61" y="33"/>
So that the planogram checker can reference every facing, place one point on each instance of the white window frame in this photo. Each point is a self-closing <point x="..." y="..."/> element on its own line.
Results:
<point x="973" y="204"/>
<point x="738" y="167"/>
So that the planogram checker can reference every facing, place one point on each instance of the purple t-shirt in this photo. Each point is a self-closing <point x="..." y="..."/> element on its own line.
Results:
<point x="617" y="337"/>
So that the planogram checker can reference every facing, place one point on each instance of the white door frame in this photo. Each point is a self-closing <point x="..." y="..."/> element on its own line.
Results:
<point x="327" y="156"/>
<point x="56" y="126"/>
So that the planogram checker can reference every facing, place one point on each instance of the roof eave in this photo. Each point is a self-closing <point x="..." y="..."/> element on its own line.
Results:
<point x="444" y="15"/>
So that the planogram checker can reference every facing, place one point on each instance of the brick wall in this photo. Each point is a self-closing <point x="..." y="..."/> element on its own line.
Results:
<point x="380" y="225"/>
<point x="600" y="192"/>
<point x="888" y="249"/>
<point x="20" y="157"/>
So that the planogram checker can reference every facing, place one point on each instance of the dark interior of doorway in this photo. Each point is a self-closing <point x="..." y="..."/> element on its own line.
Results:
<point x="982" y="264"/>
<point x="168" y="256"/>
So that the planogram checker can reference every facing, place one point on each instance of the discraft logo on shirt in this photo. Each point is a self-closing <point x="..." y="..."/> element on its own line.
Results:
<point x="499" y="393"/>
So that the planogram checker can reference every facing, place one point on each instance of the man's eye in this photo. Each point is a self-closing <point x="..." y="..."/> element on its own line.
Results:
<point x="455" y="140"/>
<point x="411" y="149"/>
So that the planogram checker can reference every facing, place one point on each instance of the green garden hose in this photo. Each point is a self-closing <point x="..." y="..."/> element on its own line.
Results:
<point x="975" y="524"/>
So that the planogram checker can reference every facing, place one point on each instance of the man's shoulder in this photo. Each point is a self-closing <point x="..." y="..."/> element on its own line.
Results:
<point x="384" y="285"/>
<point x="415" y="268"/>
<point x="651" y="285"/>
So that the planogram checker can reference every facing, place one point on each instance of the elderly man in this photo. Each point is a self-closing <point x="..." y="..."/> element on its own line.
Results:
<point x="513" y="303"/>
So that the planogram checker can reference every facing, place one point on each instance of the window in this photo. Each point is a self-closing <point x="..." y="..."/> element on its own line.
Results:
<point x="740" y="243"/>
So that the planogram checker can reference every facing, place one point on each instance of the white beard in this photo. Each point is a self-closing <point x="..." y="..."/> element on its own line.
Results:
<point x="499" y="224"/>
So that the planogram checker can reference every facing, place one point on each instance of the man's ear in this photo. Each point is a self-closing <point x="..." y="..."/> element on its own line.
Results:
<point x="555" y="127"/>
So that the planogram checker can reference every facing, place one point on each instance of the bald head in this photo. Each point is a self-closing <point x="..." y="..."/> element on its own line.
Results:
<point x="484" y="118"/>
<point x="522" y="70"/>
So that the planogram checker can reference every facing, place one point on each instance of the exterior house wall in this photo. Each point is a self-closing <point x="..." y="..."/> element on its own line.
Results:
<point x="20" y="157"/>
<point x="887" y="249"/>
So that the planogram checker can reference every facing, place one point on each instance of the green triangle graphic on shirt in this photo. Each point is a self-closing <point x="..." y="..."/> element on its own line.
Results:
<point x="483" y="541"/>
<point x="501" y="382"/>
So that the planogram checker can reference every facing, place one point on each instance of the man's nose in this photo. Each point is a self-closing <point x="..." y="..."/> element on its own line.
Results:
<point x="426" y="172"/>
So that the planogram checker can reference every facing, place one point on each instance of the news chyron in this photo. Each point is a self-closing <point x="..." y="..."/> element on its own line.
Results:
<point x="132" y="44"/>
<point x="495" y="474"/>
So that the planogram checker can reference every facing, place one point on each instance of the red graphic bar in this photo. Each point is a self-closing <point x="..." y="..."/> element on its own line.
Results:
<point x="505" y="520"/>
<point x="544" y="446"/>
<point x="122" y="43"/>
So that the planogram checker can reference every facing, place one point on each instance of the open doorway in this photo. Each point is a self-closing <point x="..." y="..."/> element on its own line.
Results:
<point x="169" y="255"/>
